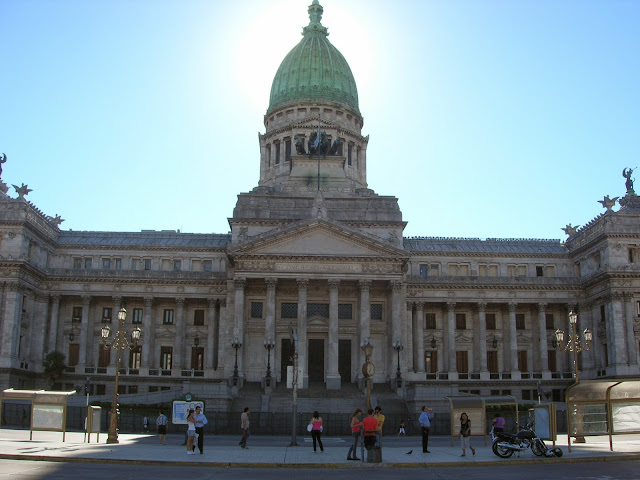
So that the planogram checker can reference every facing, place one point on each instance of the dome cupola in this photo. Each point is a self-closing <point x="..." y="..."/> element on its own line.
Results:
<point x="314" y="70"/>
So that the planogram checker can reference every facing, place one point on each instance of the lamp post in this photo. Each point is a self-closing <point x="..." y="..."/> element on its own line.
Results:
<point x="293" y="338"/>
<point x="367" y="367"/>
<point x="575" y="345"/>
<point x="398" y="347"/>
<point x="236" y="344"/>
<point x="119" y="343"/>
<point x="269" y="344"/>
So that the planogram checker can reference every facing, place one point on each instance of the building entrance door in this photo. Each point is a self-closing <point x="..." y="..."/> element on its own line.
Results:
<point x="316" y="360"/>
<point x="344" y="360"/>
<point x="286" y="358"/>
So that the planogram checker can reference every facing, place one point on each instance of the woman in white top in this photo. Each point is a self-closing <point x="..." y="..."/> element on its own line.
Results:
<point x="191" y="432"/>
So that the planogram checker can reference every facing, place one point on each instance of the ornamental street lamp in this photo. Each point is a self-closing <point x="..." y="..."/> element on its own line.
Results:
<point x="236" y="344"/>
<point x="574" y="344"/>
<point x="367" y="367"/>
<point x="269" y="344"/>
<point x="119" y="343"/>
<point x="398" y="347"/>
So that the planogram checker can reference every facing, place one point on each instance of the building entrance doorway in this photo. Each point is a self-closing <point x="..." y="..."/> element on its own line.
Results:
<point x="316" y="360"/>
<point x="344" y="360"/>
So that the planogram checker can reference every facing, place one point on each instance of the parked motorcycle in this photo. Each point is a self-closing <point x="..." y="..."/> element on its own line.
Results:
<point x="505" y="444"/>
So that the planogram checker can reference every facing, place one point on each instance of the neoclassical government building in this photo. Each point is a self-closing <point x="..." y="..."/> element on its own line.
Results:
<point x="313" y="249"/>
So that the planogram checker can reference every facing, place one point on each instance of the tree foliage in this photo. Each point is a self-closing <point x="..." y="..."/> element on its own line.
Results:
<point x="54" y="366"/>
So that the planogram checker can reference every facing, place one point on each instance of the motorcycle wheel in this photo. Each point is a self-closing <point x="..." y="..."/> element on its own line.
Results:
<point x="538" y="447"/>
<point x="502" y="452"/>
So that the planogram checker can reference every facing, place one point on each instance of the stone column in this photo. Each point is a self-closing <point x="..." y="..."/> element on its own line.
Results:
<point x="618" y="339"/>
<point x="396" y="322"/>
<point x="303" y="369"/>
<point x="53" y="323"/>
<point x="451" y="341"/>
<point x="420" y="337"/>
<point x="221" y="340"/>
<point x="84" y="331"/>
<point x="365" y="320"/>
<point x="632" y="353"/>
<point x="513" y="341"/>
<point x="148" y="332"/>
<point x="117" y="303"/>
<point x="270" y="326"/>
<point x="11" y="325"/>
<point x="38" y="333"/>
<point x="179" y="343"/>
<point x="212" y="324"/>
<point x="482" y="340"/>
<point x="334" y="381"/>
<point x="410" y="339"/>
<point x="542" y="334"/>
<point x="238" y="323"/>
<point x="585" y="320"/>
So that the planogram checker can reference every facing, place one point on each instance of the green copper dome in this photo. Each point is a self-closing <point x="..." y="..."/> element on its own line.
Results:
<point x="314" y="70"/>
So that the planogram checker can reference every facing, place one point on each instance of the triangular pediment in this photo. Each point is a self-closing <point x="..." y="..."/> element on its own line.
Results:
<point x="318" y="237"/>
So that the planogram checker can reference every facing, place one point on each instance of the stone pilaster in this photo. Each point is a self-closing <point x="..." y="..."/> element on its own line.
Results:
<point x="303" y="284"/>
<point x="238" y="323"/>
<point x="482" y="340"/>
<point x="84" y="331"/>
<point x="420" y="337"/>
<point x="632" y="351"/>
<point x="365" y="320"/>
<point x="148" y="333"/>
<point x="542" y="340"/>
<point x="212" y="327"/>
<point x="334" y="381"/>
<point x="451" y="340"/>
<point x="513" y="340"/>
<point x="53" y="323"/>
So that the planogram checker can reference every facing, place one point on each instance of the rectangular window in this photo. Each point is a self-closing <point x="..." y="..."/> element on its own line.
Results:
<point x="526" y="394"/>
<point x="317" y="310"/>
<point x="277" y="153"/>
<point x="135" y="264"/>
<point x="206" y="266"/>
<point x="198" y="317"/>
<point x="424" y="270"/>
<point x="137" y="315"/>
<point x="430" y="321"/>
<point x="269" y="155"/>
<point x="638" y="309"/>
<point x="539" y="271"/>
<point x="74" y="354"/>
<point x="431" y="361"/>
<point x="289" y="310"/>
<point x="165" y="357"/>
<point x="492" y="361"/>
<point x="462" y="361"/>
<point x="101" y="389"/>
<point x="197" y="358"/>
<point x="461" y="321"/>
<point x="522" y="361"/>
<point x="549" y="321"/>
<point x="345" y="311"/>
<point x="287" y="150"/>
<point x="256" y="309"/>
<point x="177" y="265"/>
<point x="106" y="315"/>
<point x="603" y="317"/>
<point x="87" y="263"/>
<point x="77" y="263"/>
<point x="135" y="356"/>
<point x="104" y="357"/>
<point x="376" y="311"/>
<point x="633" y="255"/>
<point x="106" y="264"/>
<point x="147" y="264"/>
<point x="349" y="154"/>
<point x="118" y="263"/>
<point x="490" y="319"/>
<point x="167" y="317"/>
<point x="76" y="315"/>
<point x="520" y="323"/>
<point x="551" y="361"/>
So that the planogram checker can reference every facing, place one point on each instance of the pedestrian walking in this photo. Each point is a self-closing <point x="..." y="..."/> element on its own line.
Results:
<point x="425" y="424"/>
<point x="465" y="434"/>
<point x="201" y="421"/>
<point x="191" y="431"/>
<point x="354" y="423"/>
<point x="401" y="429"/>
<point x="381" y="418"/>
<point x="161" y="424"/>
<point x="145" y="424"/>
<point x="370" y="427"/>
<point x="316" y="431"/>
<point x="244" y="424"/>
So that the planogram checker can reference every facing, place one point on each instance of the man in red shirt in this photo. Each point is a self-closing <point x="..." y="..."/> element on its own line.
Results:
<point x="370" y="425"/>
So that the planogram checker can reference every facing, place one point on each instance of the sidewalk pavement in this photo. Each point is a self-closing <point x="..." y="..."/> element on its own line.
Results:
<point x="274" y="452"/>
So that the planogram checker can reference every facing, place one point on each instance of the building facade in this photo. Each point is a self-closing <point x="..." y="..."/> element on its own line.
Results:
<point x="313" y="249"/>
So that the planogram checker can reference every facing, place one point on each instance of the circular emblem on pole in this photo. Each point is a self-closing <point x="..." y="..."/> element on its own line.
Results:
<point x="368" y="369"/>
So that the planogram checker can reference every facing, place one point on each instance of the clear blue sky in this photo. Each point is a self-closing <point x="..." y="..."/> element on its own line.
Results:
<point x="486" y="118"/>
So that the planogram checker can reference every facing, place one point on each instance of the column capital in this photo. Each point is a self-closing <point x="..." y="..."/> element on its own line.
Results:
<point x="364" y="285"/>
<point x="271" y="282"/>
<point x="628" y="296"/>
<point x="419" y="305"/>
<point x="223" y="303"/>
<point x="410" y="305"/>
<point x="117" y="300"/>
<point x="334" y="283"/>
<point x="180" y="301"/>
<point x="55" y="298"/>
<point x="396" y="285"/>
<point x="86" y="300"/>
<point x="213" y="302"/>
<point x="481" y="306"/>
<point x="148" y="302"/>
<point x="303" y="283"/>
<point x="542" y="306"/>
<point x="451" y="306"/>
<point x="239" y="282"/>
<point x="512" y="307"/>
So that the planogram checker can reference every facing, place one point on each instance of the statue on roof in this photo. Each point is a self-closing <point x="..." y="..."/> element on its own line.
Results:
<point x="319" y="146"/>
<point x="608" y="203"/>
<point x="299" y="144"/>
<point x="626" y="173"/>
<point x="22" y="190"/>
<point x="569" y="230"/>
<point x="2" y="160"/>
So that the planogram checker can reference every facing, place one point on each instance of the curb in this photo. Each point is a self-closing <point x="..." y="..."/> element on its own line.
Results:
<point x="253" y="465"/>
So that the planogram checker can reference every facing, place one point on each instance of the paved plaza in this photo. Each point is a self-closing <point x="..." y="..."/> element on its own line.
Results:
<point x="263" y="451"/>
